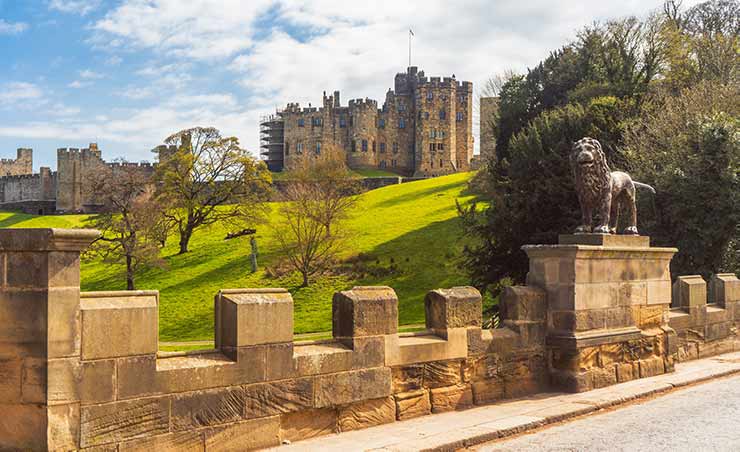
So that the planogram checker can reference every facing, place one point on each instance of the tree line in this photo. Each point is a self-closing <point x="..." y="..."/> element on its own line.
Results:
<point x="661" y="95"/>
<point x="202" y="178"/>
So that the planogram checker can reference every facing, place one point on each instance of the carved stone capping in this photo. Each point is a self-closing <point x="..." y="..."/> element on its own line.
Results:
<point x="253" y="317"/>
<point x="689" y="292"/>
<point x="523" y="303"/>
<point x="118" y="324"/>
<point x="50" y="239"/>
<point x="724" y="288"/>
<point x="365" y="311"/>
<point x="458" y="307"/>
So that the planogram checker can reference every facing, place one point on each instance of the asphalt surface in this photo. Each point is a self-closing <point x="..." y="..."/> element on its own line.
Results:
<point x="705" y="417"/>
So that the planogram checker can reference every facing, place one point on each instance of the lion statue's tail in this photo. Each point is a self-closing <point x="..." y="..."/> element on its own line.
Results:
<point x="646" y="186"/>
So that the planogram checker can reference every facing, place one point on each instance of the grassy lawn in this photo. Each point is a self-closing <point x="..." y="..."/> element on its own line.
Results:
<point x="408" y="236"/>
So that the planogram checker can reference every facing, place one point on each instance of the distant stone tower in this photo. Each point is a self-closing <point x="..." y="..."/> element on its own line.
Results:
<point x="23" y="164"/>
<point x="73" y="168"/>
<point x="488" y="112"/>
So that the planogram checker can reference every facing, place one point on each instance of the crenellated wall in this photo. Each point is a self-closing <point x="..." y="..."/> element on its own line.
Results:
<point x="83" y="371"/>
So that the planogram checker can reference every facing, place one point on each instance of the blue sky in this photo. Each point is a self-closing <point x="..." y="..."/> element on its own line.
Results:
<point x="127" y="73"/>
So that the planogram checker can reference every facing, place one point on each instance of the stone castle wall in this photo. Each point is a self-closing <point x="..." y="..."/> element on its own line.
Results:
<point x="22" y="165"/>
<point x="423" y="128"/>
<point x="83" y="371"/>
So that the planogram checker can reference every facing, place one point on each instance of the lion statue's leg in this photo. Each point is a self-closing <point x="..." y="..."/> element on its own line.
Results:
<point x="586" y="216"/>
<point x="604" y="213"/>
<point x="614" y="216"/>
<point x="630" y="199"/>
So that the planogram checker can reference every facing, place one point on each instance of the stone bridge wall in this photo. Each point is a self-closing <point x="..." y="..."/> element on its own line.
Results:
<point x="82" y="371"/>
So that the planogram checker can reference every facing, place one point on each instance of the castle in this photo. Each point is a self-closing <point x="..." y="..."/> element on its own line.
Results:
<point x="424" y="128"/>
<point x="50" y="192"/>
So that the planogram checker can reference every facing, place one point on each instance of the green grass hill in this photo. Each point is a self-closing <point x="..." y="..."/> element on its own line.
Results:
<point x="405" y="236"/>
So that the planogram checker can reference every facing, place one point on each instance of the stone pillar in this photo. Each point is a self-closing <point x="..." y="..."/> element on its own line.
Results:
<point x="40" y="337"/>
<point x="607" y="296"/>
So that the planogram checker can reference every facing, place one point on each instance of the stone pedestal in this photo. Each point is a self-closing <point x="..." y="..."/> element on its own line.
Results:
<point x="607" y="299"/>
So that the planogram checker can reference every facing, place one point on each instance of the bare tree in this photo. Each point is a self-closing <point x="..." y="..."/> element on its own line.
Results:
<point x="130" y="220"/>
<point x="207" y="179"/>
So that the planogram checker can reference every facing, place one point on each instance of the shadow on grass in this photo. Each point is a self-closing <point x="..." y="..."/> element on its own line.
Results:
<point x="417" y="194"/>
<point x="13" y="219"/>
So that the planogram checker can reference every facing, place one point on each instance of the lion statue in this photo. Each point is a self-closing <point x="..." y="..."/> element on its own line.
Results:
<point x="601" y="191"/>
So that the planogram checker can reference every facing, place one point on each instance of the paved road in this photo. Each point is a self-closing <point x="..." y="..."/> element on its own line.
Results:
<point x="701" y="418"/>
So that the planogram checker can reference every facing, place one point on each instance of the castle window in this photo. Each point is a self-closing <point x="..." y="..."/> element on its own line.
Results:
<point x="381" y="123"/>
<point x="430" y="95"/>
<point x="351" y="121"/>
<point x="431" y="147"/>
<point x="442" y="114"/>
<point x="354" y="146"/>
<point x="382" y="148"/>
<point x="401" y="123"/>
<point x="431" y="163"/>
<point x="440" y="163"/>
<point x="299" y="148"/>
<point x="316" y="122"/>
<point x="459" y="116"/>
<point x="318" y="148"/>
<point x="382" y="164"/>
<point x="342" y="122"/>
<point x="301" y="122"/>
<point x="440" y="146"/>
<point x="441" y="133"/>
<point x="373" y="146"/>
<point x="426" y="115"/>
<point x="395" y="148"/>
<point x="393" y="163"/>
<point x="364" y="145"/>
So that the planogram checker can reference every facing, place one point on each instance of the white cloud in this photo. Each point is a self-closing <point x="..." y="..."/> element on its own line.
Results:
<point x="77" y="84"/>
<point x="12" y="28"/>
<point x="90" y="75"/>
<point x="114" y="60"/>
<point x="13" y="93"/>
<point x="81" y="7"/>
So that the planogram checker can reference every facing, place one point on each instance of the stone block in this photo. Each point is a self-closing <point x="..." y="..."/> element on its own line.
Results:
<point x="632" y="293"/>
<point x="27" y="270"/>
<point x="488" y="390"/>
<point x="347" y="387"/>
<point x="716" y="314"/>
<point x="313" y="359"/>
<point x="659" y="292"/>
<point x="651" y="366"/>
<point x="591" y="319"/>
<point x="572" y="381"/>
<point x="368" y="352"/>
<point x="649" y="316"/>
<point x="715" y="331"/>
<point x="606" y="240"/>
<point x="119" y="324"/>
<point x="713" y="348"/>
<point x="63" y="269"/>
<point x="442" y="373"/>
<point x="34" y="380"/>
<point x="10" y="380"/>
<point x="169" y="442"/>
<point x="620" y="317"/>
<point x="627" y="371"/>
<point x="524" y="303"/>
<point x="23" y="315"/>
<point x="596" y="296"/>
<point x="602" y="377"/>
<point x="120" y="421"/>
<point x="424" y="348"/>
<point x="206" y="408"/>
<point x="308" y="424"/>
<point x="367" y="413"/>
<point x="689" y="292"/>
<point x="484" y="367"/>
<point x="458" y="307"/>
<point x="63" y="322"/>
<point x="407" y="378"/>
<point x="451" y="398"/>
<point x="98" y="382"/>
<point x="246" y="435"/>
<point x="23" y="427"/>
<point x="63" y="379"/>
<point x="255" y="317"/>
<point x="724" y="288"/>
<point x="412" y="404"/>
<point x="279" y="362"/>
<point x="267" y="399"/>
<point x="365" y="311"/>
<point x="63" y="427"/>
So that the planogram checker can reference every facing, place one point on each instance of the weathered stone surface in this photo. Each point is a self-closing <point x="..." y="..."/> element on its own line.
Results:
<point x="488" y="390"/>
<point x="724" y="288"/>
<point x="171" y="442"/>
<point x="347" y="387"/>
<point x="717" y="347"/>
<point x="458" y="307"/>
<point x="650" y="316"/>
<point x="717" y="331"/>
<point x="23" y="427"/>
<point x="365" y="311"/>
<point x="316" y="359"/>
<point x="63" y="322"/>
<point x="308" y="424"/>
<point x="63" y="378"/>
<point x="266" y="399"/>
<point x="651" y="367"/>
<point x="442" y="373"/>
<point x="98" y="381"/>
<point x="10" y="380"/>
<point x="627" y="371"/>
<point x="451" y="398"/>
<point x="367" y="414"/>
<point x="427" y="348"/>
<point x="407" y="378"/>
<point x="246" y="435"/>
<point x="114" y="326"/>
<point x="255" y="317"/>
<point x="63" y="426"/>
<point x="412" y="404"/>
<point x="602" y="377"/>
<point x="34" y="380"/>
<point x="524" y="303"/>
<point x="278" y="361"/>
<point x="206" y="408"/>
<point x="119" y="421"/>
<point x="618" y="240"/>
